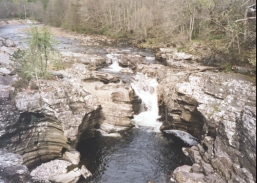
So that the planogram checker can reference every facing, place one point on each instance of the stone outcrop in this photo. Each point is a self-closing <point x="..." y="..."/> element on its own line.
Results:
<point x="59" y="171"/>
<point x="43" y="120"/>
<point x="131" y="61"/>
<point x="92" y="62"/>
<point x="117" y="109"/>
<point x="50" y="119"/>
<point x="218" y="109"/>
<point x="12" y="168"/>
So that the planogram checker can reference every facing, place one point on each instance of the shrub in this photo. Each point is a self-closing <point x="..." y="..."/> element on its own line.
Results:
<point x="33" y="62"/>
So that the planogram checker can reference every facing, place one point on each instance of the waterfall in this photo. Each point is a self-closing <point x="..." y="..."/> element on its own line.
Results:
<point x="146" y="89"/>
<point x="114" y="59"/>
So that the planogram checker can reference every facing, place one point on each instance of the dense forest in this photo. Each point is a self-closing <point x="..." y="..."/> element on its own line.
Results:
<point x="226" y="26"/>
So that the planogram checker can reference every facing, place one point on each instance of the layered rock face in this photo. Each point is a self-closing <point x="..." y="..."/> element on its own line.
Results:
<point x="45" y="119"/>
<point x="219" y="109"/>
<point x="49" y="119"/>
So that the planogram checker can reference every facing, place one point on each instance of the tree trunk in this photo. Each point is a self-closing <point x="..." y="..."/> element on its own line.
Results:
<point x="245" y="25"/>
<point x="25" y="12"/>
<point x="192" y="22"/>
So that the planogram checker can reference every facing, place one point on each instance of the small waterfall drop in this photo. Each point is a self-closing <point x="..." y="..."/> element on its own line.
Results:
<point x="114" y="67"/>
<point x="146" y="89"/>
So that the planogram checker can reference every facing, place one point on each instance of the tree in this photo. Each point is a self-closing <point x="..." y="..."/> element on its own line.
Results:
<point x="35" y="61"/>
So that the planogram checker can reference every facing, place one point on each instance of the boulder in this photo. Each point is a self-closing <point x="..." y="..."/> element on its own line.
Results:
<point x="12" y="168"/>
<point x="8" y="43"/>
<point x="59" y="171"/>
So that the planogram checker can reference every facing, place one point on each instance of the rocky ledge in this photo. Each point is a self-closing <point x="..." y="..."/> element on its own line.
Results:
<point x="43" y="120"/>
<point x="217" y="108"/>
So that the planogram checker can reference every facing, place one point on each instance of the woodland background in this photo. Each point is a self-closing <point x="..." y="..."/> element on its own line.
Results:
<point x="218" y="24"/>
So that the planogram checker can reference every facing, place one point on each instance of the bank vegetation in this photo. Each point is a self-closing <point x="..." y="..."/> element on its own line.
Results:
<point x="228" y="27"/>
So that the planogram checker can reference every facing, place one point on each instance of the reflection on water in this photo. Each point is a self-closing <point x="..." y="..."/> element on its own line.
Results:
<point x="137" y="157"/>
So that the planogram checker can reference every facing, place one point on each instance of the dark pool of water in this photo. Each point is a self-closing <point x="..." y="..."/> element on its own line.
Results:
<point x="136" y="157"/>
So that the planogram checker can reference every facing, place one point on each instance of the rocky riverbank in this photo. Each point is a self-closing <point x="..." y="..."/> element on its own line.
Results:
<point x="217" y="108"/>
<point x="45" y="120"/>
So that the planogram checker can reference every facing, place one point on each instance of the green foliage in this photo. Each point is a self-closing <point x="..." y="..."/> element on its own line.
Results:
<point x="33" y="62"/>
<point x="167" y="21"/>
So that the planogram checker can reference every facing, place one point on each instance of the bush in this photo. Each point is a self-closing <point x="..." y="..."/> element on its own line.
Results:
<point x="33" y="62"/>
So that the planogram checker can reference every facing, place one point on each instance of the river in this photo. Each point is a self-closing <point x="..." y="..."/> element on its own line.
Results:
<point x="136" y="156"/>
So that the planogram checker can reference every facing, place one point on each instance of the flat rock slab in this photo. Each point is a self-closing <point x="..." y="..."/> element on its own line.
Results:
<point x="58" y="171"/>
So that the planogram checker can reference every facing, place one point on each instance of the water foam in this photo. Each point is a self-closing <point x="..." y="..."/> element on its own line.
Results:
<point x="114" y="59"/>
<point x="146" y="89"/>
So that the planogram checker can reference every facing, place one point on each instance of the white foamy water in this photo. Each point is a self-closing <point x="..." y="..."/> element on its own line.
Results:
<point x="150" y="58"/>
<point x="114" y="59"/>
<point x="186" y="137"/>
<point x="146" y="89"/>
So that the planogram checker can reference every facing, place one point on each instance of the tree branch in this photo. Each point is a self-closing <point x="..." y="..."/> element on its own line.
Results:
<point x="245" y="19"/>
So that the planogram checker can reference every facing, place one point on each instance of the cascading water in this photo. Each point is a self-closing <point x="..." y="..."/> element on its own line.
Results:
<point x="141" y="154"/>
<point x="114" y="67"/>
<point x="146" y="89"/>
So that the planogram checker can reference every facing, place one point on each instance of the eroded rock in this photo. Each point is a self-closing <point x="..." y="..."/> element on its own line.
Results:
<point x="11" y="168"/>
<point x="59" y="171"/>
<point x="219" y="110"/>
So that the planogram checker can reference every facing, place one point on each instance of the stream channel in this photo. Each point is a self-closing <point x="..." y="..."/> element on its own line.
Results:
<point x="139" y="155"/>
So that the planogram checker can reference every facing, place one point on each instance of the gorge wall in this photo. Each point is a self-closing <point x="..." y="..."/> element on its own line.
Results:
<point x="44" y="120"/>
<point x="217" y="108"/>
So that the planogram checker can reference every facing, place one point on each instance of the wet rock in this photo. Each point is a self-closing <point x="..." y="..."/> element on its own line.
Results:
<point x="11" y="168"/>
